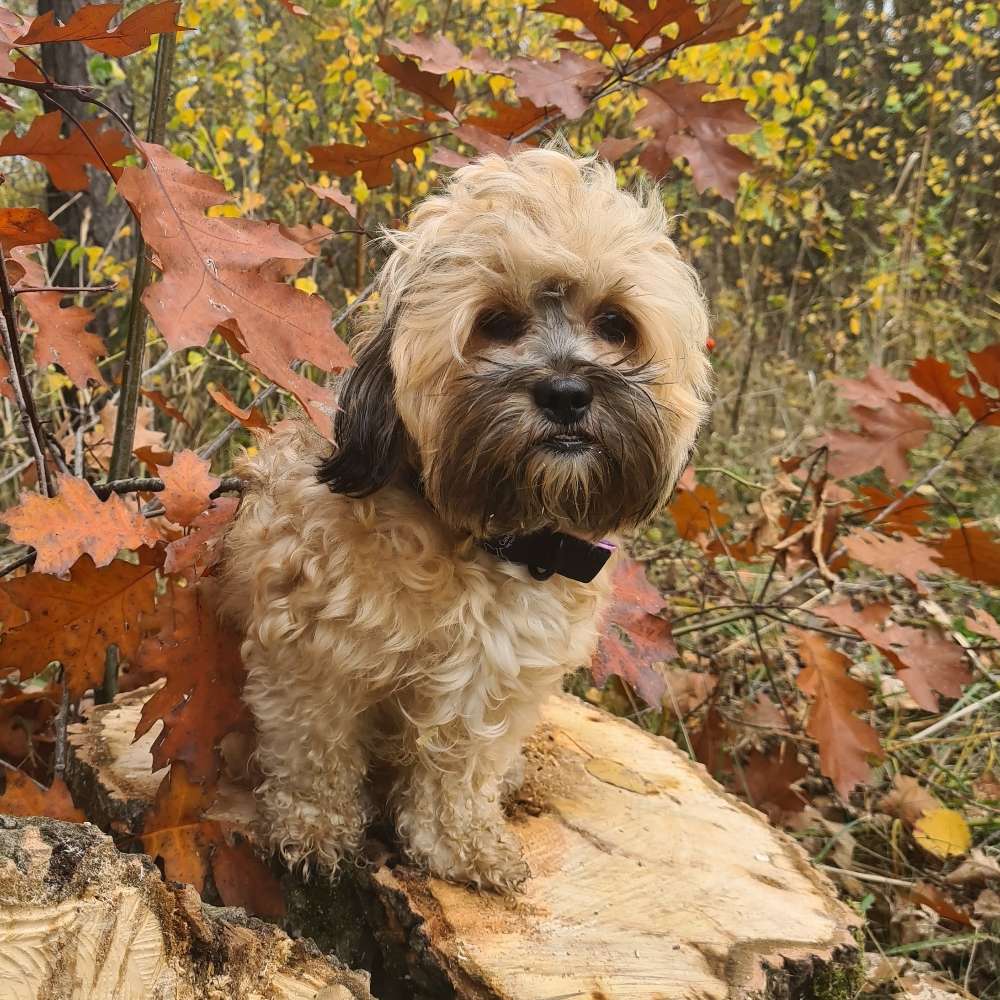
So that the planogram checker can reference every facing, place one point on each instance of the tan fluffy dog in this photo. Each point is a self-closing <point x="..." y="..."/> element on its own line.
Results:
<point x="536" y="364"/>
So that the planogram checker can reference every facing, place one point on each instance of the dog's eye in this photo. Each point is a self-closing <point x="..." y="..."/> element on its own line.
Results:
<point x="615" y="327"/>
<point x="500" y="325"/>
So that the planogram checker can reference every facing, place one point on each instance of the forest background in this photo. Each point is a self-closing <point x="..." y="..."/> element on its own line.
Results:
<point x="833" y="593"/>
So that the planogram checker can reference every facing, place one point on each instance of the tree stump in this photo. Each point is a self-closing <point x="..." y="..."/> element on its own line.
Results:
<point x="81" y="921"/>
<point x="648" y="880"/>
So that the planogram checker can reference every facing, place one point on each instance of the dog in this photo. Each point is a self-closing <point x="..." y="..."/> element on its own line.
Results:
<point x="531" y="380"/>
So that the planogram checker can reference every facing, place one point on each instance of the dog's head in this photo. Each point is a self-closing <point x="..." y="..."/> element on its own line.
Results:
<point x="538" y="354"/>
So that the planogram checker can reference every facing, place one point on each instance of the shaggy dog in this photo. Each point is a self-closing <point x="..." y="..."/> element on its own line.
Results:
<point x="532" y="380"/>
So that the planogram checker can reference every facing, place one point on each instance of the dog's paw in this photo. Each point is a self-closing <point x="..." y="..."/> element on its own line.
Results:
<point x="493" y="861"/>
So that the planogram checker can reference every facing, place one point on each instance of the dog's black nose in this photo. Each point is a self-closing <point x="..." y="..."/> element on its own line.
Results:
<point x="564" y="399"/>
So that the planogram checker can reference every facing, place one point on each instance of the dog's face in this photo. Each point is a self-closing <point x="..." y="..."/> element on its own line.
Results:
<point x="538" y="358"/>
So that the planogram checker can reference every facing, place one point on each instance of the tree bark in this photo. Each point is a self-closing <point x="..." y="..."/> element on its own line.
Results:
<point x="648" y="880"/>
<point x="81" y="921"/>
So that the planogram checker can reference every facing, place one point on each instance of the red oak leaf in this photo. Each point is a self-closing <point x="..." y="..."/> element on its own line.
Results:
<point x="375" y="158"/>
<point x="563" y="84"/>
<point x="632" y="614"/>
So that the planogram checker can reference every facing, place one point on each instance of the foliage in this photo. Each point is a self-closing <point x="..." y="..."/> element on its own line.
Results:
<point x="823" y="618"/>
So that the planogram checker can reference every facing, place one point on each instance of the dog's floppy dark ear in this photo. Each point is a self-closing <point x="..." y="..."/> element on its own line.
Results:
<point x="367" y="430"/>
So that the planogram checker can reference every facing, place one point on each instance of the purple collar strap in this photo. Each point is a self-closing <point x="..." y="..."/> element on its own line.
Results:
<point x="547" y="553"/>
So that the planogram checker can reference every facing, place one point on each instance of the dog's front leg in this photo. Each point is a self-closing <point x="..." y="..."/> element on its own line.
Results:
<point x="312" y="759"/>
<point x="449" y="810"/>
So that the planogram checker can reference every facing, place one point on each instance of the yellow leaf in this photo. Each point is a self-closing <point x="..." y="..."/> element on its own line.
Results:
<point x="306" y="285"/>
<point x="943" y="833"/>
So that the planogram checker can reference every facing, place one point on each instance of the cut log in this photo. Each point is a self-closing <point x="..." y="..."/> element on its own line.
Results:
<point x="648" y="881"/>
<point x="81" y="921"/>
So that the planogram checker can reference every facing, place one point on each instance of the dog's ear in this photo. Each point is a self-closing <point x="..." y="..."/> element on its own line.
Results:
<point x="367" y="429"/>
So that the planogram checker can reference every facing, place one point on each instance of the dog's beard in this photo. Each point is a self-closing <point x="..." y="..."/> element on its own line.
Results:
<point x="501" y="467"/>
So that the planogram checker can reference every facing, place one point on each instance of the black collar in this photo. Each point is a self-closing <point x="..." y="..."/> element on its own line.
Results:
<point x="545" y="553"/>
<point x="549" y="552"/>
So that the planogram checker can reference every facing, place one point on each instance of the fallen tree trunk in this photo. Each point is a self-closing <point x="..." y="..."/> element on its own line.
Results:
<point x="81" y="921"/>
<point x="648" y="881"/>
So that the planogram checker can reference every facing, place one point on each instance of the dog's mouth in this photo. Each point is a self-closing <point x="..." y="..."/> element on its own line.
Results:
<point x="567" y="444"/>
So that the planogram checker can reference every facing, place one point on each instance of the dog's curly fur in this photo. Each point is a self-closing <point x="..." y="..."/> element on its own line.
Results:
<point x="376" y="630"/>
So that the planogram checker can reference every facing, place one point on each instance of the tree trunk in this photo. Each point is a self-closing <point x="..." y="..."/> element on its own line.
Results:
<point x="649" y="881"/>
<point x="81" y="921"/>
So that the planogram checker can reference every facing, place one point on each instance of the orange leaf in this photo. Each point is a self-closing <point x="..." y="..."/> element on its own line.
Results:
<point x="24" y="227"/>
<point x="507" y="120"/>
<point x="188" y="487"/>
<point x="907" y="517"/>
<point x="903" y="556"/>
<point x="632" y="612"/>
<point x="375" y="159"/>
<point x="933" y="377"/>
<point x="200" y="703"/>
<point x="971" y="552"/>
<point x="722" y="20"/>
<point x="244" y="880"/>
<point x="24" y="797"/>
<point x="74" y="621"/>
<point x="925" y="661"/>
<point x="845" y="742"/>
<point x="75" y="523"/>
<point x="61" y="335"/>
<point x="65" y="158"/>
<point x="908" y="800"/>
<point x="196" y="553"/>
<point x="346" y="202"/>
<point x="163" y="404"/>
<point x="213" y="272"/>
<point x="696" y="511"/>
<point x="250" y="418"/>
<point x="987" y="363"/>
<point x="175" y="830"/>
<point x="594" y="19"/>
<point x="89" y="25"/>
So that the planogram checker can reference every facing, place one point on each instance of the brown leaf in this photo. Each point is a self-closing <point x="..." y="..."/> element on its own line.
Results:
<point x="925" y="661"/>
<point x="61" y="335"/>
<point x="74" y="621"/>
<point x="98" y="441"/>
<point x="374" y="159"/>
<point x="685" y="125"/>
<point x="984" y="624"/>
<point x="697" y="511"/>
<point x="594" y="19"/>
<point x="66" y="158"/>
<point x="934" y="378"/>
<point x="612" y="149"/>
<point x="686" y="690"/>
<point x="188" y="485"/>
<point x="244" y="880"/>
<point x="24" y="797"/>
<point x="508" y="120"/>
<point x="971" y="552"/>
<point x="632" y="612"/>
<point x="200" y="703"/>
<point x="979" y="868"/>
<point x="197" y="552"/>
<point x="89" y="24"/>
<point x="346" y="202"/>
<point x="563" y="84"/>
<point x="907" y="517"/>
<point x="769" y="779"/>
<point x="845" y="742"/>
<point x="710" y="742"/>
<point x="429" y="87"/>
<point x="250" y="418"/>
<point x="163" y="404"/>
<point x="905" y="556"/>
<point x="438" y="54"/>
<point x="721" y="20"/>
<point x="908" y="800"/>
<point x="175" y="831"/>
<point x="987" y="364"/>
<point x="763" y="712"/>
<point x="486" y="142"/>
<point x="211" y="274"/>
<point x="74" y="523"/>
<point x="925" y="894"/>
<point x="24" y="227"/>
<point x="878" y="387"/>
<point x="889" y="432"/>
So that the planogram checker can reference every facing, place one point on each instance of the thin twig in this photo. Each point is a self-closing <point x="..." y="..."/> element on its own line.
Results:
<point x="62" y="717"/>
<point x="66" y="290"/>
<point x="151" y="484"/>
<point x="954" y="717"/>
<point x="19" y="381"/>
